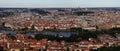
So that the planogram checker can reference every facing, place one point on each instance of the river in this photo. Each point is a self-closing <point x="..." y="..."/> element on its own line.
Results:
<point x="45" y="32"/>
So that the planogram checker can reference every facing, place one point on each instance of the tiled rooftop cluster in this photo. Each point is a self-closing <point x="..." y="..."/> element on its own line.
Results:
<point x="22" y="42"/>
<point x="66" y="19"/>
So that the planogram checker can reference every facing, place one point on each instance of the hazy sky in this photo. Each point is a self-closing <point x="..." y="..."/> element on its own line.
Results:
<point x="59" y="3"/>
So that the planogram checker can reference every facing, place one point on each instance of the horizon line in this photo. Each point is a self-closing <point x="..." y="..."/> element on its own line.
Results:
<point x="59" y="7"/>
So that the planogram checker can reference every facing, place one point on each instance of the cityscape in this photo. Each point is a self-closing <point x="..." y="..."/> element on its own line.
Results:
<point x="59" y="26"/>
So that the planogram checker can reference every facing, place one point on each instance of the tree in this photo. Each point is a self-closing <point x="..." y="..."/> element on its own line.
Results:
<point x="12" y="37"/>
<point x="1" y="48"/>
<point x="107" y="49"/>
<point x="26" y="28"/>
<point x="68" y="49"/>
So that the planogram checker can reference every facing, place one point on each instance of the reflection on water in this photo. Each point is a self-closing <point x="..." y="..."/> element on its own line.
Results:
<point x="61" y="33"/>
<point x="9" y="31"/>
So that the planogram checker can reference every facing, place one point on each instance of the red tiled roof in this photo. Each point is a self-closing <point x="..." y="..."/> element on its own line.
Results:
<point x="18" y="46"/>
<point x="33" y="50"/>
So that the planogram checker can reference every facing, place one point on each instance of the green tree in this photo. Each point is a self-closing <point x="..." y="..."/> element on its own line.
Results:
<point x="68" y="49"/>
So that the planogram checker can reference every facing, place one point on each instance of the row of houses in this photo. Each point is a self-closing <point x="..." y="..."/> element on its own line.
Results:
<point x="110" y="40"/>
<point x="23" y="43"/>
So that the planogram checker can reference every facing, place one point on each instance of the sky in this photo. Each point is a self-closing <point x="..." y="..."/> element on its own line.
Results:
<point x="59" y="3"/>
